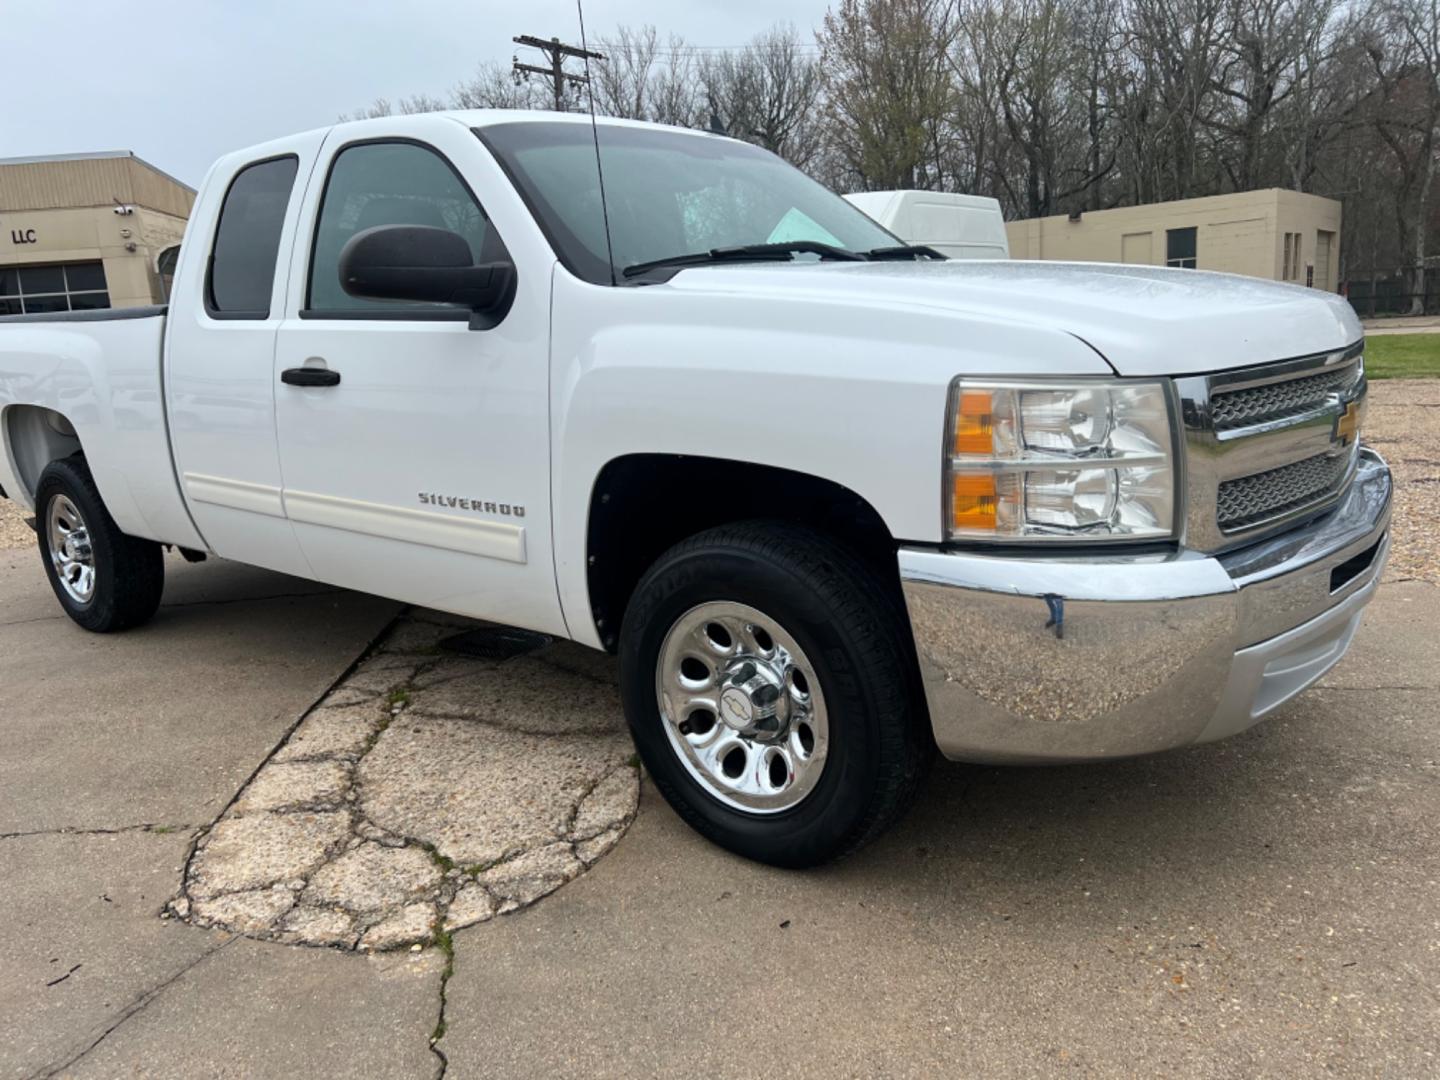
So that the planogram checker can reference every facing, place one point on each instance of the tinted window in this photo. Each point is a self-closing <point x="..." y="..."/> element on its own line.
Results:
<point x="37" y="305"/>
<point x="42" y="279"/>
<point x="388" y="184"/>
<point x="84" y="277"/>
<point x="247" y="241"/>
<point x="53" y="287"/>
<point x="1180" y="248"/>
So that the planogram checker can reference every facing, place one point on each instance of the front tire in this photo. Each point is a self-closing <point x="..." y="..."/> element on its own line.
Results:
<point x="106" y="581"/>
<point x="769" y="686"/>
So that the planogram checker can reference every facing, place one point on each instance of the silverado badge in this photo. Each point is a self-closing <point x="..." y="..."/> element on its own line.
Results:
<point x="479" y="506"/>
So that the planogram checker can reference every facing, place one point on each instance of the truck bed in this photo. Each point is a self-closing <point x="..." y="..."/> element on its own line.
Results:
<point x="92" y="382"/>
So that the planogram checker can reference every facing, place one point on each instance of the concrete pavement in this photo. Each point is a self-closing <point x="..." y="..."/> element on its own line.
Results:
<point x="1263" y="906"/>
<point x="114" y="749"/>
<point x="1402" y="324"/>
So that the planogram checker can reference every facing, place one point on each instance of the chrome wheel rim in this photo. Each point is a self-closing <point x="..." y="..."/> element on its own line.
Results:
<point x="742" y="707"/>
<point x="70" y="550"/>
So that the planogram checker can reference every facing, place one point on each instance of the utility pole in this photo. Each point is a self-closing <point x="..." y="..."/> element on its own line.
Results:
<point x="557" y="51"/>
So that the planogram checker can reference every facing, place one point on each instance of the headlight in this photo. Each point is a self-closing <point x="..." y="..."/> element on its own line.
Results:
<point x="1034" y="460"/>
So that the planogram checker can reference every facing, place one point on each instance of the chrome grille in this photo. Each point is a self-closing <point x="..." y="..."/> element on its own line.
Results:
<point x="1268" y="444"/>
<point x="1251" y="500"/>
<point x="1279" y="400"/>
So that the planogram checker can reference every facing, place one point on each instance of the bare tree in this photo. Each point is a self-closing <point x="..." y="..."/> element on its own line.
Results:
<point x="888" y="91"/>
<point x="416" y="103"/>
<point x="1404" y="50"/>
<point x="640" y="79"/>
<point x="496" y="87"/>
<point x="767" y="93"/>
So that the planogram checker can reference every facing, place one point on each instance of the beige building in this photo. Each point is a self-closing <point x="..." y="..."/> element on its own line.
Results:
<point x="84" y="231"/>
<point x="1277" y="234"/>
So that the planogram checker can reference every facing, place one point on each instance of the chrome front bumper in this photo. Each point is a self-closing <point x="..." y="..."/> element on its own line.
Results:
<point x="1054" y="659"/>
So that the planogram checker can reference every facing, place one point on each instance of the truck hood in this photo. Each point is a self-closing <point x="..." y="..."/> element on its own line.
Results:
<point x="1143" y="320"/>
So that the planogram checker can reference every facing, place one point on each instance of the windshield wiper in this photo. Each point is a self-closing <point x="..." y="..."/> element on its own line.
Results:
<point x="748" y="252"/>
<point x="902" y="251"/>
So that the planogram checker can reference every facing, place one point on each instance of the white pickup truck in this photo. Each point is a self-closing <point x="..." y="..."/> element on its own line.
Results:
<point x="835" y="501"/>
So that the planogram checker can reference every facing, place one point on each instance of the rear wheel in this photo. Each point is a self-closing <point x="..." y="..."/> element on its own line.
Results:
<point x="768" y="684"/>
<point x="105" y="580"/>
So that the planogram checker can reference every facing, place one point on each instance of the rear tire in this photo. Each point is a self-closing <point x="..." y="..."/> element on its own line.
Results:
<point x="746" y="606"/>
<point x="106" y="581"/>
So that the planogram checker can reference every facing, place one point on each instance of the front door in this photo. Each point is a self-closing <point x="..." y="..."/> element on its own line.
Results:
<point x="423" y="472"/>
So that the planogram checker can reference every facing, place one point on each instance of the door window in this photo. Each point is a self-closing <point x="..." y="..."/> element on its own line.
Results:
<point x="247" y="240"/>
<point x="389" y="183"/>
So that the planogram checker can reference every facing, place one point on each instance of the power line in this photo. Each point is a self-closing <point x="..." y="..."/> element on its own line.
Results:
<point x="557" y="52"/>
<point x="726" y="48"/>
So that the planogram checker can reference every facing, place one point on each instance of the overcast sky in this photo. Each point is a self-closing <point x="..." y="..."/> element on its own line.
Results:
<point x="181" y="84"/>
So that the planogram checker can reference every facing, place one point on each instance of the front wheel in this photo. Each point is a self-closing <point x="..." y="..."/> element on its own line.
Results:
<point x="105" y="580"/>
<point x="767" y="682"/>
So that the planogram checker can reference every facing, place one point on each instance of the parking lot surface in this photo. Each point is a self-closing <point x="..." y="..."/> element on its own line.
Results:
<point x="1262" y="906"/>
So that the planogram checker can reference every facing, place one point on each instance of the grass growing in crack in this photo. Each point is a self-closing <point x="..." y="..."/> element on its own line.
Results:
<point x="445" y="942"/>
<point x="633" y="761"/>
<point x="374" y="736"/>
<point x="161" y="830"/>
<point x="399" y="696"/>
<point x="444" y="862"/>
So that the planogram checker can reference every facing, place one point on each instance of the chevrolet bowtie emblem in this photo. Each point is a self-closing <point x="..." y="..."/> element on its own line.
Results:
<point x="1346" y="423"/>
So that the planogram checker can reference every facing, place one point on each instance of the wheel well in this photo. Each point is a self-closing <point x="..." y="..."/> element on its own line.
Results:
<point x="644" y="504"/>
<point x="37" y="436"/>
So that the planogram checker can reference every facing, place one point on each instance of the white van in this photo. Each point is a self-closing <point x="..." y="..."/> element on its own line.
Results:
<point x="958" y="226"/>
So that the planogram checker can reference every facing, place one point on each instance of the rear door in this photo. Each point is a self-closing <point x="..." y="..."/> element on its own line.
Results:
<point x="220" y="353"/>
<point x="423" y="472"/>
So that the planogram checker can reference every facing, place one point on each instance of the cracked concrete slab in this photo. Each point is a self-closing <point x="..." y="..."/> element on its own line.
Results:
<point x="451" y="789"/>
<point x="285" y="1012"/>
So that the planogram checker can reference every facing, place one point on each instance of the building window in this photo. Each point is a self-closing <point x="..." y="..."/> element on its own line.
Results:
<point x="1180" y="248"/>
<point x="32" y="290"/>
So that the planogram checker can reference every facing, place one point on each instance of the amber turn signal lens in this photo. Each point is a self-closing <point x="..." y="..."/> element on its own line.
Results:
<point x="972" y="504"/>
<point x="974" y="421"/>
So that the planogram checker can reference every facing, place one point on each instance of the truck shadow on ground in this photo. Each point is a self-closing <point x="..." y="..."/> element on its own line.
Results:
<point x="1301" y="803"/>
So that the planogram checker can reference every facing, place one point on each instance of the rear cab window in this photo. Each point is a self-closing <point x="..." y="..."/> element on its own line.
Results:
<point x="241" y="273"/>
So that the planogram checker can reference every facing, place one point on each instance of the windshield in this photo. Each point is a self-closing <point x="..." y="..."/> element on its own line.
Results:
<point x="668" y="193"/>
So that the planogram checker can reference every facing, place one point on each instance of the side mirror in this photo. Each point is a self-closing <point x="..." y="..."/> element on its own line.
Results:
<point x="428" y="265"/>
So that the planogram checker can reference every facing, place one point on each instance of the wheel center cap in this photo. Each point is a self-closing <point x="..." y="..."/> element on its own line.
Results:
<point x="735" y="708"/>
<point x="752" y="701"/>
